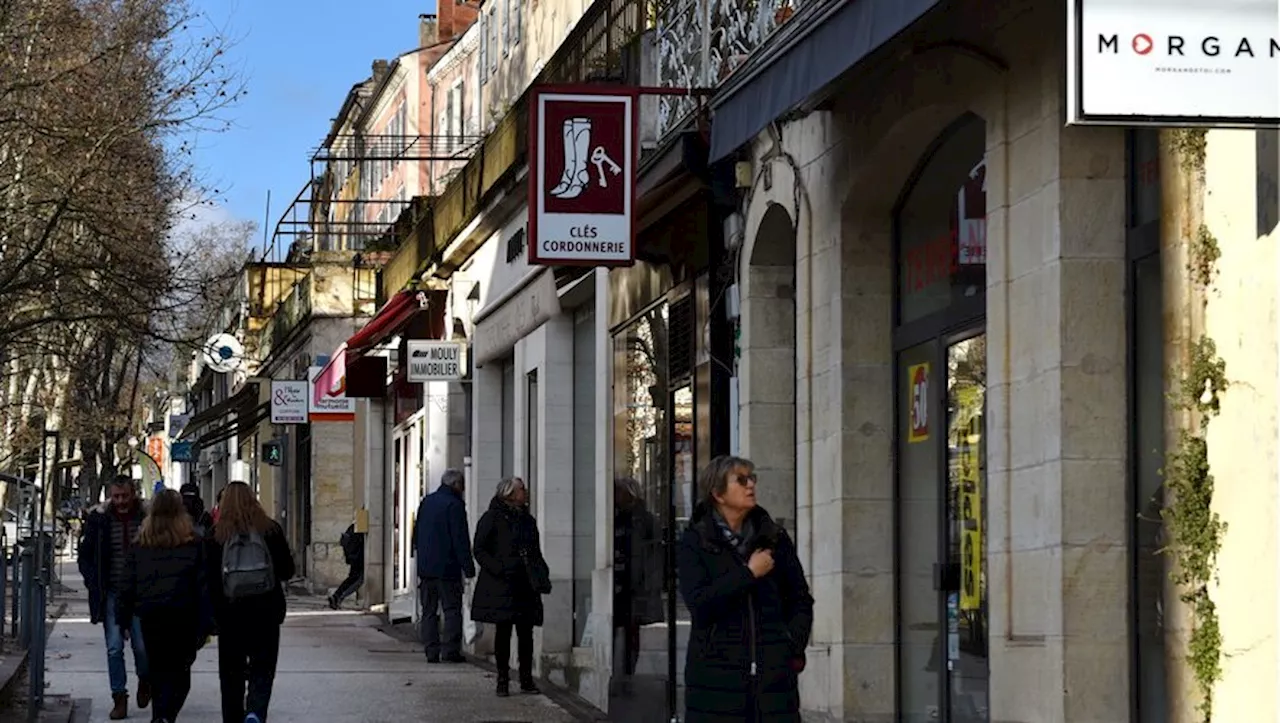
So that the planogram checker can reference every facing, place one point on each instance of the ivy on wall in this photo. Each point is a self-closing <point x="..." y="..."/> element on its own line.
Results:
<point x="1195" y="530"/>
<point x="1190" y="144"/>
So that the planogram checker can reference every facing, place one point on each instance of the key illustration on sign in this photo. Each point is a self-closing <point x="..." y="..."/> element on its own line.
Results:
<point x="602" y="159"/>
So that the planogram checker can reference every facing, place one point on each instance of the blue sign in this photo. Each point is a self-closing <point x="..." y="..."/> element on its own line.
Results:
<point x="182" y="452"/>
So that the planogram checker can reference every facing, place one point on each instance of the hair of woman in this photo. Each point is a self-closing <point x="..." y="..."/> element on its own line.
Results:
<point x="715" y="476"/>
<point x="508" y="487"/>
<point x="167" y="524"/>
<point x="240" y="512"/>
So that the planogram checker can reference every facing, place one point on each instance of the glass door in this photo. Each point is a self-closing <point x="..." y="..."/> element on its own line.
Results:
<point x="942" y="588"/>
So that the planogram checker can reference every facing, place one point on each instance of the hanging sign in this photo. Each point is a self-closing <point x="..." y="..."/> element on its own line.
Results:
<point x="582" y="169"/>
<point x="1173" y="62"/>
<point x="918" y="406"/>
<point x="325" y="404"/>
<point x="436" y="361"/>
<point x="289" y="402"/>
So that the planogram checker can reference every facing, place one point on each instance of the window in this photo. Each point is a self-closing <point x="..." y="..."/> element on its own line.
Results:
<point x="484" y="51"/>
<point x="1147" y="443"/>
<point x="515" y="23"/>
<point x="492" y="32"/>
<point x="506" y="27"/>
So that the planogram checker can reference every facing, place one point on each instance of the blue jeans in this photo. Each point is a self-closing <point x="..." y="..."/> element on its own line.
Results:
<point x="115" y="648"/>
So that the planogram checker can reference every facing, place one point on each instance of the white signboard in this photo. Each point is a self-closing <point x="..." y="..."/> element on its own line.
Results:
<point x="436" y="361"/>
<point x="327" y="403"/>
<point x="1173" y="62"/>
<point x="582" y="177"/>
<point x="289" y="402"/>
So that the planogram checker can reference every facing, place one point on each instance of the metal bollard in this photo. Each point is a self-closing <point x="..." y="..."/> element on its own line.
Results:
<point x="35" y="675"/>
<point x="13" y="589"/>
<point x="27" y="597"/>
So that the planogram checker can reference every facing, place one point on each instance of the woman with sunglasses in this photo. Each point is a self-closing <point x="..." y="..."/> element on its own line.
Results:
<point x="749" y="602"/>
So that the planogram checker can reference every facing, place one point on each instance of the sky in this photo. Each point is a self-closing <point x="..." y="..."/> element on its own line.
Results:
<point x="299" y="59"/>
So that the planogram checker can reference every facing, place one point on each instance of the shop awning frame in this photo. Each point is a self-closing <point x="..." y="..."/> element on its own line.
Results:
<point x="808" y="53"/>
<point x="239" y="425"/>
<point x="231" y="404"/>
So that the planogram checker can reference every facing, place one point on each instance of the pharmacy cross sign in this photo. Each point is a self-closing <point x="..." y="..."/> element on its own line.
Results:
<point x="582" y="168"/>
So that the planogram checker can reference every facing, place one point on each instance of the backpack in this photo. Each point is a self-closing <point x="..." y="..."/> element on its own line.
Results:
<point x="246" y="566"/>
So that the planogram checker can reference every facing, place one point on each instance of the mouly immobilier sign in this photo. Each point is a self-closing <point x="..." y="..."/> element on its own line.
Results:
<point x="1173" y="62"/>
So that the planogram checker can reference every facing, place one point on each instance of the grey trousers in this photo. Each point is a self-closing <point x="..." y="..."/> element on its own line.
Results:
<point x="441" y="596"/>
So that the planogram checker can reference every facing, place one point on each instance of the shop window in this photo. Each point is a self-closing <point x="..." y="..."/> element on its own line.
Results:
<point x="1146" y="338"/>
<point x="942" y="252"/>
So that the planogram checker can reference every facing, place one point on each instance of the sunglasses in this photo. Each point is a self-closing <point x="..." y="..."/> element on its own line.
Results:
<point x="743" y="479"/>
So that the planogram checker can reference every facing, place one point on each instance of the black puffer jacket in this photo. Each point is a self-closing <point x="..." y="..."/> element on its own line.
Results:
<point x="172" y="580"/>
<point x="748" y="635"/>
<point x="504" y="592"/>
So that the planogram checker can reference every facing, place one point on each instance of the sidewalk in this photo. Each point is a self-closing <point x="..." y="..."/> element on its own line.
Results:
<point x="334" y="667"/>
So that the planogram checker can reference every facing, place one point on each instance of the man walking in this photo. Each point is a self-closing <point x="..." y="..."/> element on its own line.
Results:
<point x="200" y="518"/>
<point x="352" y="543"/>
<point x="110" y="531"/>
<point x="442" y="541"/>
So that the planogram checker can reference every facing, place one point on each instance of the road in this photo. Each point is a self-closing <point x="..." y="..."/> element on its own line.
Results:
<point x="334" y="666"/>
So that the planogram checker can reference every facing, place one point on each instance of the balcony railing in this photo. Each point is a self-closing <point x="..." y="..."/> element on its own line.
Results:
<point x="701" y="42"/>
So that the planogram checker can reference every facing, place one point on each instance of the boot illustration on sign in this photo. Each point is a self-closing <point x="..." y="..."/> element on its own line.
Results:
<point x="602" y="159"/>
<point x="577" y="142"/>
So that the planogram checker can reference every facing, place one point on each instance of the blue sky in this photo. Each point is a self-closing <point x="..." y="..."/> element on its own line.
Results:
<point x="299" y="60"/>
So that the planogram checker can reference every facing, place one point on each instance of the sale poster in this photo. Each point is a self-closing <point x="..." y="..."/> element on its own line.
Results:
<point x="918" y="394"/>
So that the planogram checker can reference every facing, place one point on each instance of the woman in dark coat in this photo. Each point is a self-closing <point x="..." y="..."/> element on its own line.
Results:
<point x="513" y="578"/>
<point x="165" y="588"/>
<point x="248" y="624"/>
<point x="750" y="605"/>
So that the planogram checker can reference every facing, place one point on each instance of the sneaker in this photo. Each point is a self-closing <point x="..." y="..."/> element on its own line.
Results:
<point x="252" y="718"/>
<point x="333" y="603"/>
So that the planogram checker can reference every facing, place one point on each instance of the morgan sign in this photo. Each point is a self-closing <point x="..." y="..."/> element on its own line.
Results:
<point x="582" y="172"/>
<point x="1173" y="62"/>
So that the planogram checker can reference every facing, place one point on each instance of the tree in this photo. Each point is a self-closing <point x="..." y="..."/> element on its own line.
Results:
<point x="99" y="104"/>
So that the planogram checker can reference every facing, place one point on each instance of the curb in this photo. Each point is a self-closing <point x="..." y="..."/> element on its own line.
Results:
<point x="569" y="702"/>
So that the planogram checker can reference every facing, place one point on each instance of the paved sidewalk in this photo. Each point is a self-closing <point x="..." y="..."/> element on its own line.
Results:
<point x="334" y="667"/>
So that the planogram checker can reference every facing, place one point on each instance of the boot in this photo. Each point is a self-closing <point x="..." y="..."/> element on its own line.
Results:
<point x="120" y="710"/>
<point x="527" y="685"/>
<point x="504" y="683"/>
<point x="144" y="694"/>
<point x="577" y="141"/>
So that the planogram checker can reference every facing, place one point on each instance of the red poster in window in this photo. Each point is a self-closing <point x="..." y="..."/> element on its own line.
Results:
<point x="155" y="450"/>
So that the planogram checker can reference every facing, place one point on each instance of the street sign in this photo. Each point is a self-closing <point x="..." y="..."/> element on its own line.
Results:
<point x="582" y="172"/>
<point x="182" y="452"/>
<point x="289" y="402"/>
<point x="436" y="361"/>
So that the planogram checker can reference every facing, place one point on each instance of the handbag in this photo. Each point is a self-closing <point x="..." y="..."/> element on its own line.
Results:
<point x="539" y="573"/>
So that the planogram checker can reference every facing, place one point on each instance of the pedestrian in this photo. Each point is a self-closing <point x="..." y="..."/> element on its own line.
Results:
<point x="250" y="561"/>
<point x="513" y="579"/>
<point x="637" y="569"/>
<point x="109" y="533"/>
<point x="217" y="506"/>
<point x="352" y="544"/>
<point x="442" y="540"/>
<point x="749" y="602"/>
<point x="201" y="520"/>
<point x="166" y="589"/>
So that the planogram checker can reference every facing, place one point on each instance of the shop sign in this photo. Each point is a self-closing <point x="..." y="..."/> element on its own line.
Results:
<point x="582" y="169"/>
<point x="436" y="361"/>
<point x="1173" y="62"/>
<point x="289" y="402"/>
<point x="182" y="452"/>
<point x="327" y="403"/>
<point x="918" y="394"/>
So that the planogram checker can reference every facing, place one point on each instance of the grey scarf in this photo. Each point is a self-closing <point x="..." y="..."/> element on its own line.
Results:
<point x="737" y="540"/>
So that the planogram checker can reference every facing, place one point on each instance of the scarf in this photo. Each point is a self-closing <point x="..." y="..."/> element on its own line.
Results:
<point x="737" y="540"/>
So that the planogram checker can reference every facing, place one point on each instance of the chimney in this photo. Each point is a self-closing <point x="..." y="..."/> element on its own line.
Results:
<point x="428" y="30"/>
<point x="447" y="31"/>
<point x="463" y="14"/>
<point x="380" y="68"/>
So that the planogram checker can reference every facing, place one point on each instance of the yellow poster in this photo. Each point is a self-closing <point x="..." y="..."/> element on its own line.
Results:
<point x="918" y="402"/>
<point x="970" y="517"/>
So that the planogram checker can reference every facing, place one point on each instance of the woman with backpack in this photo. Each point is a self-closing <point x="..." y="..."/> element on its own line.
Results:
<point x="165" y="589"/>
<point x="250" y="561"/>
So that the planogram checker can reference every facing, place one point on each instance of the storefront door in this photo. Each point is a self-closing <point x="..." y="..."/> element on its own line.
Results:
<point x="941" y="491"/>
<point x="407" y="491"/>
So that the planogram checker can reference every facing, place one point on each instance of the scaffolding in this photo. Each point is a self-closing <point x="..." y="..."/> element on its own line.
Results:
<point x="332" y="210"/>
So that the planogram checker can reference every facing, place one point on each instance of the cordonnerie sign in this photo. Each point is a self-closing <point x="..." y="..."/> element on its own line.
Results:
<point x="436" y="361"/>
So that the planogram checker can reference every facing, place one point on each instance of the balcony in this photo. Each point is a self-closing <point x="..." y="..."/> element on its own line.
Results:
<point x="701" y="42"/>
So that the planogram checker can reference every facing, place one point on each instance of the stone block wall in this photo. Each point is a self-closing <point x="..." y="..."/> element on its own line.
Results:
<point x="332" y="499"/>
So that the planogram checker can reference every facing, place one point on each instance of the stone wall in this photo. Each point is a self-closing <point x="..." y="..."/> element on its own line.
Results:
<point x="332" y="500"/>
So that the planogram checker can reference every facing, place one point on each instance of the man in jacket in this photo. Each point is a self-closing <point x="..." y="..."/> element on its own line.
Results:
<point x="352" y="543"/>
<point x="110" y="530"/>
<point x="200" y="518"/>
<point x="442" y="541"/>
